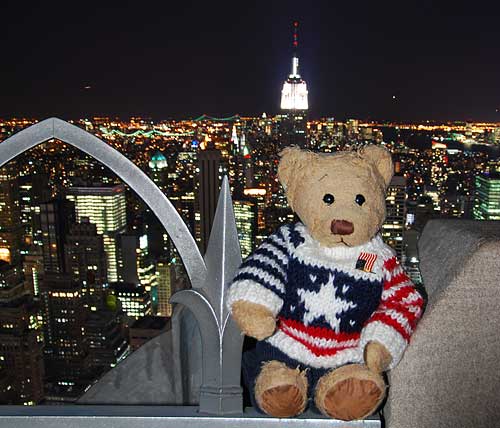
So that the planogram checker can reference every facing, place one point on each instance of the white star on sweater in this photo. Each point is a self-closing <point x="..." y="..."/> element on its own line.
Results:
<point x="324" y="303"/>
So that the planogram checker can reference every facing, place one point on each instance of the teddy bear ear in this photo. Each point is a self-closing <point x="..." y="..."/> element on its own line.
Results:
<point x="293" y="159"/>
<point x="292" y="168"/>
<point x="382" y="160"/>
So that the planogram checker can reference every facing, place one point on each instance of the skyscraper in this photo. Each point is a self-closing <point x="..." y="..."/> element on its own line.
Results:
<point x="11" y="230"/>
<point x="21" y="356"/>
<point x="245" y="213"/>
<point x="138" y="267"/>
<point x="105" y="206"/>
<point x="33" y="190"/>
<point x="67" y="359"/>
<point x="258" y="197"/>
<point x="165" y="272"/>
<point x="55" y="219"/>
<point x="185" y="183"/>
<point x="134" y="299"/>
<point x="86" y="261"/>
<point x="208" y="192"/>
<point x="294" y="101"/>
<point x="393" y="228"/>
<point x="487" y="197"/>
<point x="158" y="170"/>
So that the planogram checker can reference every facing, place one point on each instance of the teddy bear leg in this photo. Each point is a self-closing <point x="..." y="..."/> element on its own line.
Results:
<point x="281" y="391"/>
<point x="349" y="392"/>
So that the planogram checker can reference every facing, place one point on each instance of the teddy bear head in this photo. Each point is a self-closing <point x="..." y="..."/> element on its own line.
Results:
<point x="339" y="197"/>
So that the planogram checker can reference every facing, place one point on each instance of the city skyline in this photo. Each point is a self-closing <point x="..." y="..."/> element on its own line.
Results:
<point x="87" y="267"/>
<point x="92" y="268"/>
<point x="400" y="62"/>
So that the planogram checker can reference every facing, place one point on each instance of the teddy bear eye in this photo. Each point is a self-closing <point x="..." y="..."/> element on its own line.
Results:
<point x="328" y="199"/>
<point x="360" y="199"/>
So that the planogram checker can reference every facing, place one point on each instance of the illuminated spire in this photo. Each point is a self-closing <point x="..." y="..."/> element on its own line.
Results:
<point x="234" y="139"/>
<point x="294" y="93"/>
<point x="295" y="45"/>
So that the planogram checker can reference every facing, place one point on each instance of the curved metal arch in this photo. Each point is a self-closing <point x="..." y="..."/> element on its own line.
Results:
<point x="123" y="168"/>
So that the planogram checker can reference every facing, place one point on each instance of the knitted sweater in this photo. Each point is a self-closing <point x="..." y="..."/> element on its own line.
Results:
<point x="329" y="302"/>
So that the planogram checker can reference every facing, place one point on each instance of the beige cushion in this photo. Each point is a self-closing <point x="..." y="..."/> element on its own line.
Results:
<point x="450" y="374"/>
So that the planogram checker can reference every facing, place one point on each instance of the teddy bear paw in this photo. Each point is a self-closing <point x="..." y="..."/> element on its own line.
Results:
<point x="281" y="391"/>
<point x="253" y="319"/>
<point x="350" y="392"/>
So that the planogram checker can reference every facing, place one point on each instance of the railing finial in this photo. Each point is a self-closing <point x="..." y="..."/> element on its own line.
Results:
<point x="220" y="392"/>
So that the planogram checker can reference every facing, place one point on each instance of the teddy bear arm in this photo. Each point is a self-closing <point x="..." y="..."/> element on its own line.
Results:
<point x="253" y="319"/>
<point x="392" y="324"/>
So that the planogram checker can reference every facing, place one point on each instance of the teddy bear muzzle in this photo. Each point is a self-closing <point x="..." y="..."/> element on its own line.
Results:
<point x="341" y="227"/>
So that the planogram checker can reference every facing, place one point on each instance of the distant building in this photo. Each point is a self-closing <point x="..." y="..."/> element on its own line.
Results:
<point x="33" y="270"/>
<point x="208" y="192"/>
<point x="258" y="196"/>
<point x="106" y="339"/>
<point x="294" y="101"/>
<point x="245" y="213"/>
<point x="138" y="266"/>
<point x="21" y="344"/>
<point x="105" y="206"/>
<point x="146" y="328"/>
<point x="393" y="228"/>
<point x="33" y="190"/>
<point x="67" y="359"/>
<point x="86" y="261"/>
<point x="185" y="184"/>
<point x="158" y="169"/>
<point x="134" y="299"/>
<point x="166" y="275"/>
<point x="11" y="229"/>
<point x="412" y="259"/>
<point x="487" y="197"/>
<point x="55" y="219"/>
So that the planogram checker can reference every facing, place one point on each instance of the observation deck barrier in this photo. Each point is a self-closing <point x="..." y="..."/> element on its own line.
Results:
<point x="449" y="376"/>
<point x="219" y="342"/>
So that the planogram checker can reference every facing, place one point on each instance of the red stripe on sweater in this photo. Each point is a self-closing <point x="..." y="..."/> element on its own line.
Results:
<point x="386" y="319"/>
<point x="391" y="263"/>
<point x="318" y="332"/>
<point x="395" y="280"/>
<point x="403" y="310"/>
<point x="316" y="350"/>
<point x="401" y="293"/>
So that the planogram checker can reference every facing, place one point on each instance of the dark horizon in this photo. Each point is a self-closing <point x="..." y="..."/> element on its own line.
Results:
<point x="161" y="60"/>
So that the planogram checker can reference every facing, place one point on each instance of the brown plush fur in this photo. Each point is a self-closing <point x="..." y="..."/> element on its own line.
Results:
<point x="281" y="391"/>
<point x="254" y="320"/>
<point x="377" y="358"/>
<point x="308" y="176"/>
<point x="350" y="392"/>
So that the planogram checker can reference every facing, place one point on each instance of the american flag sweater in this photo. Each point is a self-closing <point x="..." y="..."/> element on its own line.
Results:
<point x="329" y="302"/>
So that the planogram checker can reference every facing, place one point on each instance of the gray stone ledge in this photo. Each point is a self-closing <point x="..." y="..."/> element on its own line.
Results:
<point x="157" y="417"/>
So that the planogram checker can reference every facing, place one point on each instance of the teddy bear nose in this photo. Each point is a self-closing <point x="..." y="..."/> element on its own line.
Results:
<point x="342" y="227"/>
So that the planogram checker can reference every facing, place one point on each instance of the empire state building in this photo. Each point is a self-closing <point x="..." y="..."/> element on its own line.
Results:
<point x="294" y="101"/>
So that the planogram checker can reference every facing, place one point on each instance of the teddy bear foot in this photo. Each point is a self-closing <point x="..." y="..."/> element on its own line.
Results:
<point x="350" y="392"/>
<point x="281" y="391"/>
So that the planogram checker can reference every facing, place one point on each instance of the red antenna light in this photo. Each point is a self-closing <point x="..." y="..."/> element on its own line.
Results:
<point x="295" y="42"/>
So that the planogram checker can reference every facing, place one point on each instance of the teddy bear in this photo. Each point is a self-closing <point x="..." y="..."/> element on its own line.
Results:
<point x="327" y="300"/>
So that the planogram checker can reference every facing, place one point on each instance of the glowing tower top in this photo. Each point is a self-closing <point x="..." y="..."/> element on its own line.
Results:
<point x="294" y="92"/>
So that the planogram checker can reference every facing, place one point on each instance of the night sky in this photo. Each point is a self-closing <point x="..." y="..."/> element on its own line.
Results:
<point x="441" y="60"/>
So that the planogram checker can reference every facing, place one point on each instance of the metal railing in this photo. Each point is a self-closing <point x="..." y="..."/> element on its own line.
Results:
<point x="220" y="401"/>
